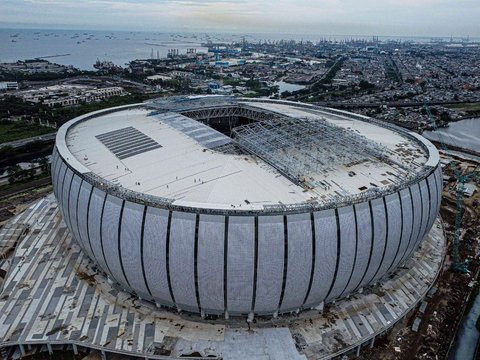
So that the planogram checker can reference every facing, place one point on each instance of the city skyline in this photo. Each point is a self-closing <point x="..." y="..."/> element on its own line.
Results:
<point x="372" y="17"/>
<point x="239" y="179"/>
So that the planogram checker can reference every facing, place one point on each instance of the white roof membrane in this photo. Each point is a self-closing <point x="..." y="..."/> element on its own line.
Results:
<point x="185" y="167"/>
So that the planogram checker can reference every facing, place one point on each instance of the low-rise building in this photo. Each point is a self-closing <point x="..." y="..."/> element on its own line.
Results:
<point x="67" y="95"/>
<point x="8" y="85"/>
<point x="469" y="189"/>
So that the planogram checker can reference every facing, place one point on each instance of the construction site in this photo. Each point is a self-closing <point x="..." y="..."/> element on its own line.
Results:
<point x="213" y="227"/>
<point x="438" y="318"/>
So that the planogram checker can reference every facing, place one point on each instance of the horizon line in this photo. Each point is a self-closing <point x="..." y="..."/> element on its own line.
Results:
<point x="56" y="27"/>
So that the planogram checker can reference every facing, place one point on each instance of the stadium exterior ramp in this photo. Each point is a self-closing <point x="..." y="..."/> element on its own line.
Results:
<point x="55" y="298"/>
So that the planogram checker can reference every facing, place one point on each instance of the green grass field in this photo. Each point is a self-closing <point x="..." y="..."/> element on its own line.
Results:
<point x="472" y="107"/>
<point x="17" y="130"/>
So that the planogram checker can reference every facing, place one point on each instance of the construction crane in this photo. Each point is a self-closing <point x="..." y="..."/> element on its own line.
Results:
<point x="217" y="52"/>
<point x="457" y="265"/>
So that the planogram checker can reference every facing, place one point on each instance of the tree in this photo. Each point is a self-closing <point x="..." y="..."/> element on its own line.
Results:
<point x="44" y="166"/>
<point x="445" y="117"/>
<point x="30" y="173"/>
<point x="365" y="85"/>
<point x="13" y="173"/>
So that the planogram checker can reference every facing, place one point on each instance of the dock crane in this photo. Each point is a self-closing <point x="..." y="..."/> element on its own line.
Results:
<point x="457" y="265"/>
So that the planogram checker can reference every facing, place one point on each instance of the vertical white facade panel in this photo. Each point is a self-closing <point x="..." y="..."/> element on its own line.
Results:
<point x="54" y="169"/>
<point x="66" y="197"/>
<point x="155" y="254"/>
<point x="326" y="256"/>
<point x="433" y="199"/>
<point x="407" y="226"/>
<point x="182" y="260"/>
<point x="61" y="169"/>
<point x="210" y="263"/>
<point x="72" y="208"/>
<point x="240" y="264"/>
<point x="348" y="245"/>
<point x="109" y="241"/>
<point x="425" y="211"/>
<point x="60" y="181"/>
<point x="56" y="175"/>
<point x="417" y="220"/>
<point x="439" y="178"/>
<point x="271" y="254"/>
<point x="379" y="232"/>
<point x="364" y="245"/>
<point x="82" y="216"/>
<point x="94" y="226"/>
<point x="299" y="261"/>
<point x="394" y="219"/>
<point x="131" y="247"/>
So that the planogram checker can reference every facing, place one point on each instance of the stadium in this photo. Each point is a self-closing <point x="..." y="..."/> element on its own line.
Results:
<point x="244" y="207"/>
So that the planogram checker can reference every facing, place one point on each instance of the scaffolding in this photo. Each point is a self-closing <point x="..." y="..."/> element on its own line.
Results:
<point x="303" y="149"/>
<point x="300" y="147"/>
<point x="180" y="104"/>
<point x="215" y="111"/>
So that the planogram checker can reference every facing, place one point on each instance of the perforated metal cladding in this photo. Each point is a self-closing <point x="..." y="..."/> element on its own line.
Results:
<point x="155" y="254"/>
<point x="67" y="183"/>
<point x="364" y="246"/>
<point x="299" y="260"/>
<point x="326" y="257"/>
<point x="110" y="238"/>
<point x="127" y="142"/>
<point x="60" y="181"/>
<point x="439" y="178"/>
<point x="82" y="216"/>
<point x="348" y="245"/>
<point x="210" y="262"/>
<point x="94" y="228"/>
<point x="182" y="260"/>
<point x="379" y="229"/>
<point x="425" y="210"/>
<point x="240" y="264"/>
<point x="131" y="243"/>
<point x="439" y="188"/>
<point x="271" y="248"/>
<point x="72" y="211"/>
<point x="394" y="220"/>
<point x="380" y="233"/>
<point x="417" y="218"/>
<point x="244" y="255"/>
<point x="432" y="186"/>
<point x="407" y="217"/>
<point x="56" y="162"/>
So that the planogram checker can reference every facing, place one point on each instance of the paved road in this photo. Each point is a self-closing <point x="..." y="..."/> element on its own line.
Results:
<point x="23" y="142"/>
<point x="25" y="187"/>
<point x="390" y="104"/>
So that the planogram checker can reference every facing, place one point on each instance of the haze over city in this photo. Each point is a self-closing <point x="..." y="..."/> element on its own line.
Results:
<point x="240" y="179"/>
<point x="370" y="17"/>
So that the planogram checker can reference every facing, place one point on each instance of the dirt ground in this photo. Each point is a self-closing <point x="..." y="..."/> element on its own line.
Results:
<point x="13" y="205"/>
<point x="445" y="308"/>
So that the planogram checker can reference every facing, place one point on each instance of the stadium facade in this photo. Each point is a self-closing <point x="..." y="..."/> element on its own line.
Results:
<point x="239" y="207"/>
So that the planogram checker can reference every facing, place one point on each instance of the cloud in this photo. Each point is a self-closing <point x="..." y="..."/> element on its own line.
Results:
<point x="367" y="17"/>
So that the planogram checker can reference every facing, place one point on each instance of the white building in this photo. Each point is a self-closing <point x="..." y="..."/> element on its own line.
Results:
<point x="8" y="85"/>
<point x="469" y="189"/>
<point x="67" y="95"/>
<point x="177" y="210"/>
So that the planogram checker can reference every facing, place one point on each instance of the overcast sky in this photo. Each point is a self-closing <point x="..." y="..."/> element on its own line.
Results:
<point x="344" y="17"/>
